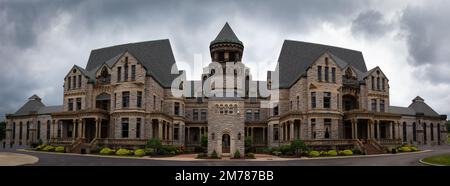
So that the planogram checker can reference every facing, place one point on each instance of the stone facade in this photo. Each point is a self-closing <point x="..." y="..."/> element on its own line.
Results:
<point x="332" y="103"/>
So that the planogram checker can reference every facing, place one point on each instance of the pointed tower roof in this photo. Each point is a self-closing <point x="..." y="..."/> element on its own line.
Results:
<point x="226" y="35"/>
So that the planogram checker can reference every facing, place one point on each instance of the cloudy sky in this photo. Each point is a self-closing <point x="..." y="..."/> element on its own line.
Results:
<point x="41" y="40"/>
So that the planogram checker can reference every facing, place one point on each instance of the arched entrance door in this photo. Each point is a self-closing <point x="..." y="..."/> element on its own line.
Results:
<point x="226" y="143"/>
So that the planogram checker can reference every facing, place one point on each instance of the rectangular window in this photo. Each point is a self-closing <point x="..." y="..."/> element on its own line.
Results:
<point x="327" y="123"/>
<point x="20" y="131"/>
<point x="78" y="103"/>
<point x="298" y="102"/>
<point x="383" y="84"/>
<point x="382" y="106"/>
<point x="133" y="72"/>
<point x="125" y="99"/>
<point x="119" y="74"/>
<point x="248" y="115"/>
<point x="378" y="83"/>
<point x="275" y="111"/>
<point x="39" y="130"/>
<point x="333" y="75"/>
<point x="313" y="128"/>
<point x="203" y="115"/>
<point x="139" y="99"/>
<point x="115" y="100"/>
<point x="74" y="82"/>
<point x="125" y="72"/>
<point x="176" y="130"/>
<point x="326" y="74"/>
<point x="124" y="127"/>
<point x="374" y="105"/>
<point x="79" y="81"/>
<point x="319" y="73"/>
<point x="195" y="115"/>
<point x="373" y="83"/>
<point x="256" y="115"/>
<point x="69" y="83"/>
<point x="28" y="131"/>
<point x="313" y="100"/>
<point x="138" y="127"/>
<point x="154" y="102"/>
<point x="338" y="102"/>
<point x="177" y="109"/>
<point x="59" y="130"/>
<point x="70" y="104"/>
<point x="327" y="100"/>
<point x="275" y="132"/>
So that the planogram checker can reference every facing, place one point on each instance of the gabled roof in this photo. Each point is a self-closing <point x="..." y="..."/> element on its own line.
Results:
<point x="156" y="56"/>
<point x="372" y="70"/>
<point x="419" y="106"/>
<point x="297" y="56"/>
<point x="31" y="106"/>
<point x="226" y="35"/>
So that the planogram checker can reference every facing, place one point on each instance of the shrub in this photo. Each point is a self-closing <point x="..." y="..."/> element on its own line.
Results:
<point x="332" y="153"/>
<point x="106" y="151"/>
<point x="173" y="153"/>
<point x="214" y="154"/>
<point x="276" y="153"/>
<point x="95" y="150"/>
<point x="237" y="154"/>
<point x="139" y="152"/>
<point x="48" y="148"/>
<point x="123" y="152"/>
<point x="202" y="155"/>
<point x="341" y="153"/>
<point x="149" y="151"/>
<point x="347" y="152"/>
<point x="285" y="149"/>
<point x="404" y="149"/>
<point x="169" y="148"/>
<point x="60" y="149"/>
<point x="356" y="151"/>
<point x="154" y="144"/>
<point x="414" y="149"/>
<point x="298" y="146"/>
<point x="314" y="153"/>
<point x="323" y="153"/>
<point x="40" y="147"/>
<point x="250" y="155"/>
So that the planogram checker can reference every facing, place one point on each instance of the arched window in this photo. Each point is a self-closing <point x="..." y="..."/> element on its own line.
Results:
<point x="414" y="132"/>
<point x="405" y="134"/>
<point x="213" y="72"/>
<point x="48" y="129"/>
<point x="39" y="130"/>
<point x="432" y="132"/>
<point x="424" y="133"/>
<point x="181" y="86"/>
<point x="104" y="76"/>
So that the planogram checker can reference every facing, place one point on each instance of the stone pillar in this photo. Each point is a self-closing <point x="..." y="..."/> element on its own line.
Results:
<point x="74" y="121"/>
<point x="378" y="129"/>
<point x="391" y="132"/>
<point x="291" y="131"/>
<point x="84" y="129"/>
<point x="60" y="123"/>
<point x="160" y="131"/>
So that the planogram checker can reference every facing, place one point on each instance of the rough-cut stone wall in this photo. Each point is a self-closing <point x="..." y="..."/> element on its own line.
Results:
<point x="231" y="124"/>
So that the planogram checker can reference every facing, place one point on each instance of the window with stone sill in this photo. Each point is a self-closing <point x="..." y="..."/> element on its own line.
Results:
<point x="248" y="115"/>
<point x="138" y="127"/>
<point x="125" y="99"/>
<point x="275" y="132"/>
<point x="70" y="104"/>
<point x="133" y="72"/>
<point x="203" y="115"/>
<point x="195" y="115"/>
<point x="125" y="128"/>
<point x="327" y="100"/>
<point x="139" y="99"/>
<point x="78" y="103"/>
<point x="319" y="73"/>
<point x="374" y="105"/>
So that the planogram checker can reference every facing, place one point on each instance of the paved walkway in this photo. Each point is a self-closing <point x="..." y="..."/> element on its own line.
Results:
<point x="15" y="159"/>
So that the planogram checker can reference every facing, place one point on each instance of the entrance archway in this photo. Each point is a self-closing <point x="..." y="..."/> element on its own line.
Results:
<point x="226" y="143"/>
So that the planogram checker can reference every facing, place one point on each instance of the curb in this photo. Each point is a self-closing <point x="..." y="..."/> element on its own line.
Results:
<point x="430" y="164"/>
<point x="195" y="159"/>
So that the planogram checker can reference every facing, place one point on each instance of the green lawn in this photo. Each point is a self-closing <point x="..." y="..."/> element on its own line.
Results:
<point x="440" y="160"/>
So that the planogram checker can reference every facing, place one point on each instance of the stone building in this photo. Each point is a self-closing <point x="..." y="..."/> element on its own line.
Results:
<point x="130" y="93"/>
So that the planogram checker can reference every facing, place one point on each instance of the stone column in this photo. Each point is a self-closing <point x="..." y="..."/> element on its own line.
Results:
<point x="60" y="123"/>
<point x="391" y="130"/>
<point x="74" y="121"/>
<point x="356" y="128"/>
<point x="292" y="131"/>
<point x="160" y="131"/>
<point x="84" y="129"/>
<point x="378" y="129"/>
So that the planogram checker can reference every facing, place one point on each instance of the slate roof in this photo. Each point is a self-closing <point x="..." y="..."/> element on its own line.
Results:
<point x="51" y="109"/>
<point x="419" y="106"/>
<point x="402" y="110"/>
<point x="156" y="56"/>
<point x="296" y="56"/>
<point x="226" y="35"/>
<point x="31" y="106"/>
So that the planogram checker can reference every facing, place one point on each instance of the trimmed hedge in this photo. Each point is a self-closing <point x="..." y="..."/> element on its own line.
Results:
<point x="139" y="152"/>
<point x="124" y="152"/>
<point x="347" y="152"/>
<point x="332" y="153"/>
<point x="48" y="148"/>
<point x="404" y="149"/>
<point x="414" y="149"/>
<point x="60" y="149"/>
<point x="250" y="155"/>
<point x="314" y="153"/>
<point x="106" y="151"/>
<point x="40" y="147"/>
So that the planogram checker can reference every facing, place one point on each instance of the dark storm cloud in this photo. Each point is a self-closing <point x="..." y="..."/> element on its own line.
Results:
<point x="370" y="24"/>
<point x="427" y="32"/>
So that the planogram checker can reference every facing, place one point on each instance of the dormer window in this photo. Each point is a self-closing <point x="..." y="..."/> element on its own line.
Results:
<point x="104" y="76"/>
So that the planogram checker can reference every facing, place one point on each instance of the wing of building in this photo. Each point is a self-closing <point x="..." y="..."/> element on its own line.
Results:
<point x="322" y="95"/>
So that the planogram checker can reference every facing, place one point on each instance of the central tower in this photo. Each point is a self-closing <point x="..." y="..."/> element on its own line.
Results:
<point x="226" y="47"/>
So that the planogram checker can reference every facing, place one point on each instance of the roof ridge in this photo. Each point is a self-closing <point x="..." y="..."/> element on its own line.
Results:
<point x="297" y="41"/>
<point x="141" y="42"/>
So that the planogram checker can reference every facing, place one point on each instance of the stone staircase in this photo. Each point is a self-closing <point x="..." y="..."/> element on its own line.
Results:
<point x="373" y="147"/>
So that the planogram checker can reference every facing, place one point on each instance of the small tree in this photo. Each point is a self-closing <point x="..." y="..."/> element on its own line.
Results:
<point x="298" y="146"/>
<point x="248" y="143"/>
<point x="204" y="142"/>
<point x="154" y="144"/>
